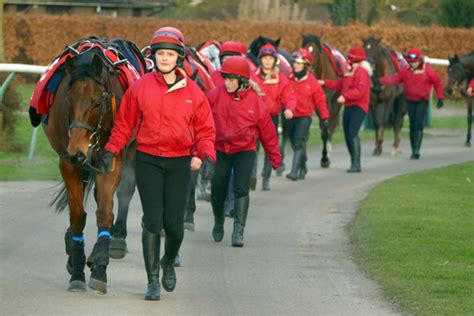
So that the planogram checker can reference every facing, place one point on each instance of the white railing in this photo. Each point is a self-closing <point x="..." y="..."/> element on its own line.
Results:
<point x="13" y="69"/>
<point x="437" y="61"/>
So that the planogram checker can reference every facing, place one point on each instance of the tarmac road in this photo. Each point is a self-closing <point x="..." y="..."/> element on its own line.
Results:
<point x="296" y="259"/>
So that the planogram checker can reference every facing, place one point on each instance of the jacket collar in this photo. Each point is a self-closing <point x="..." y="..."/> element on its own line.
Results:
<point x="292" y="77"/>
<point x="182" y="82"/>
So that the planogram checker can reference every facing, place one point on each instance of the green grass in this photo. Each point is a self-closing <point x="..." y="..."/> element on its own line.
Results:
<point x="14" y="164"/>
<point x="414" y="235"/>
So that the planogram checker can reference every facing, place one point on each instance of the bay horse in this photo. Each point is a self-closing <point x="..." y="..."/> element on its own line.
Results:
<point x="460" y="73"/>
<point x="284" y="57"/>
<point x="387" y="104"/>
<point x="323" y="69"/>
<point x="78" y="125"/>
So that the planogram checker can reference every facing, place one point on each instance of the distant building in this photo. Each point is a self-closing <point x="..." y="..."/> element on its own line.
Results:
<point x="113" y="8"/>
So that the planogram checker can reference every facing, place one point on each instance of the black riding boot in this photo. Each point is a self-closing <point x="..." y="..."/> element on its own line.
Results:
<point x="168" y="280"/>
<point x="302" y="171"/>
<point x="297" y="155"/>
<point x="189" y="220"/>
<point x="417" y="138"/>
<point x="151" y="256"/>
<point x="355" y="155"/>
<point x="35" y="118"/>
<point x="266" y="174"/>
<point x="241" y="209"/>
<point x="218" y="229"/>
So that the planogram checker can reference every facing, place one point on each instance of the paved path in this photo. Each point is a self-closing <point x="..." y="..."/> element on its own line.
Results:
<point x="296" y="259"/>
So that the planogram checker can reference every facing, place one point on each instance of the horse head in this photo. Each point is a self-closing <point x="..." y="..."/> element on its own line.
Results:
<point x="456" y="75"/>
<point x="312" y="43"/>
<point x="87" y="100"/>
<point x="373" y="50"/>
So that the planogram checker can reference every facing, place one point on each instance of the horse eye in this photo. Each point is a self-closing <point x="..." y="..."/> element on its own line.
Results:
<point x="368" y="46"/>
<point x="97" y="103"/>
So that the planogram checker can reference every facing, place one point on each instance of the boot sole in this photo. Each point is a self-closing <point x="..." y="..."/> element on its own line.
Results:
<point x="77" y="286"/>
<point x="100" y="287"/>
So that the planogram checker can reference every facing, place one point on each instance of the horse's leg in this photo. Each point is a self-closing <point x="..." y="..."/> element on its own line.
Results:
<point x="469" y="102"/>
<point x="378" y="127"/>
<point x="398" y="113"/>
<point x="74" y="238"/>
<point x="334" y="110"/>
<point x="106" y="186"/>
<point x="125" y="191"/>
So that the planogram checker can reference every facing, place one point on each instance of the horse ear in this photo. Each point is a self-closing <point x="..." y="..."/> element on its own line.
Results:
<point x="277" y="42"/>
<point x="97" y="65"/>
<point x="69" y="64"/>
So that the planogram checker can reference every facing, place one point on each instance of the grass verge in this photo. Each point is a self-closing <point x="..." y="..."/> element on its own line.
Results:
<point x="414" y="235"/>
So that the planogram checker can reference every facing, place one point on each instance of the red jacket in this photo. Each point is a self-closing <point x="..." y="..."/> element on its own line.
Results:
<point x="309" y="97"/>
<point x="278" y="92"/>
<point x="471" y="84"/>
<point x="417" y="84"/>
<point x="240" y="122"/>
<point x="355" y="87"/>
<point x="168" y="122"/>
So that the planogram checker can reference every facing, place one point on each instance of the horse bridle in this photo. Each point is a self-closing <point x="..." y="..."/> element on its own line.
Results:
<point x="97" y="132"/>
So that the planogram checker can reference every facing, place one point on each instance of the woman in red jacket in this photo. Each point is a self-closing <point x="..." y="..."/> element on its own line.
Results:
<point x="171" y="120"/>
<point x="241" y="118"/>
<point x="355" y="95"/>
<point x="417" y="79"/>
<point x="309" y="97"/>
<point x="278" y="94"/>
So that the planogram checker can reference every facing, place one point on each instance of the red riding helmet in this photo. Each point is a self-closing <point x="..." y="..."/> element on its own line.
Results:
<point x="303" y="55"/>
<point x="268" y="50"/>
<point x="232" y="48"/>
<point x="168" y="38"/>
<point x="413" y="55"/>
<point x="236" y="67"/>
<point x="356" y="54"/>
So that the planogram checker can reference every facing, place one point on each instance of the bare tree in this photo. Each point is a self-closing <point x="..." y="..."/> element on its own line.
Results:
<point x="271" y="10"/>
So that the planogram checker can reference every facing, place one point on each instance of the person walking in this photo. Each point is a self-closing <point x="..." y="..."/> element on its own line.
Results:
<point x="310" y="97"/>
<point x="241" y="118"/>
<point x="355" y="96"/>
<point x="417" y="79"/>
<point x="173" y="126"/>
<point x="277" y="94"/>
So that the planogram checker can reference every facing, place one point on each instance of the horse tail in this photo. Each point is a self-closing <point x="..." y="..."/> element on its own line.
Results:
<point x="60" y="201"/>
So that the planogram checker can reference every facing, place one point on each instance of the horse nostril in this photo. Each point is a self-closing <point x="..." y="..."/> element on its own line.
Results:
<point x="81" y="158"/>
<point x="77" y="159"/>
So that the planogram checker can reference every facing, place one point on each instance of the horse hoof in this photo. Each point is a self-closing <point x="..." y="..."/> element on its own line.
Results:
<point x="325" y="162"/>
<point x="77" y="286"/>
<point x="117" y="248"/>
<point x="376" y="153"/>
<point x="100" y="287"/>
<point x="69" y="266"/>
<point x="395" y="152"/>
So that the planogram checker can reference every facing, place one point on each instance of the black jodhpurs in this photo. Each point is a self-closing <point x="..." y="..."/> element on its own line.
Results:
<point x="242" y="164"/>
<point x="352" y="121"/>
<point x="191" y="201"/>
<point x="416" y="114"/>
<point x="163" y="184"/>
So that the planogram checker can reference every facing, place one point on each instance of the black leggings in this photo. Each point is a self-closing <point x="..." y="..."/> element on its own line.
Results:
<point x="242" y="164"/>
<point x="163" y="186"/>
<point x="416" y="114"/>
<point x="351" y="122"/>
<point x="191" y="201"/>
<point x="298" y="131"/>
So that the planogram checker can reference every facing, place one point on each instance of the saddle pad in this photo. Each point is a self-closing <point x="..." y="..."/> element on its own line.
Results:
<point x="337" y="59"/>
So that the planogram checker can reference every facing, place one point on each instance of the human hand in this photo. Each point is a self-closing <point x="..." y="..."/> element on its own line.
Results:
<point x="106" y="162"/>
<point x="321" y="82"/>
<point x="195" y="163"/>
<point x="469" y="91"/>
<point x="440" y="103"/>
<point x="341" y="99"/>
<point x="208" y="169"/>
<point x="288" y="114"/>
